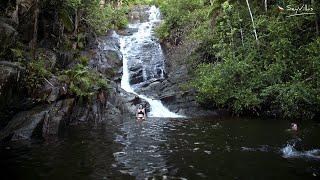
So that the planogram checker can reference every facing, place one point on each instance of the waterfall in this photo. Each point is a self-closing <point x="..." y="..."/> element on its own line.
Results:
<point x="132" y="49"/>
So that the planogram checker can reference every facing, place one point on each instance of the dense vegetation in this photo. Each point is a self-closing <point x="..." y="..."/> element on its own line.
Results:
<point x="34" y="30"/>
<point x="254" y="56"/>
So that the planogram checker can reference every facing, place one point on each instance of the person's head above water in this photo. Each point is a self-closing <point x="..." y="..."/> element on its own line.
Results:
<point x="294" y="127"/>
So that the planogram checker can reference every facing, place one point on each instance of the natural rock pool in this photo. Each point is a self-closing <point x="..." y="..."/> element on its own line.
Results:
<point x="165" y="148"/>
<point x="212" y="148"/>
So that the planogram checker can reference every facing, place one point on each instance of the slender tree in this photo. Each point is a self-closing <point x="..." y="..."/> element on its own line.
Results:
<point x="33" y="42"/>
<point x="317" y="16"/>
<point x="241" y="30"/>
<point x="253" y="25"/>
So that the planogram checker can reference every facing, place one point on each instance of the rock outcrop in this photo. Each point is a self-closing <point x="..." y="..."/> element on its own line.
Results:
<point x="57" y="109"/>
<point x="11" y="94"/>
<point x="41" y="121"/>
<point x="8" y="35"/>
<point x="179" y="99"/>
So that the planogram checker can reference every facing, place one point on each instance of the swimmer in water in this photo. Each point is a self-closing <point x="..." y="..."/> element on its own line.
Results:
<point x="141" y="113"/>
<point x="294" y="127"/>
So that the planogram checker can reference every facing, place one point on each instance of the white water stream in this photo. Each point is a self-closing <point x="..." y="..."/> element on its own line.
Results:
<point x="132" y="48"/>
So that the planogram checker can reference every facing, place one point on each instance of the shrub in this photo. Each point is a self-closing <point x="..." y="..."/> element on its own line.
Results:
<point x="82" y="81"/>
<point x="36" y="74"/>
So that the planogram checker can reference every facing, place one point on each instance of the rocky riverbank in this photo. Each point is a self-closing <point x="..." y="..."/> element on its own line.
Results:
<point x="24" y="117"/>
<point x="53" y="107"/>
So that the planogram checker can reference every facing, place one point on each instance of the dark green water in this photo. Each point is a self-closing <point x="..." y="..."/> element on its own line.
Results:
<point x="228" y="148"/>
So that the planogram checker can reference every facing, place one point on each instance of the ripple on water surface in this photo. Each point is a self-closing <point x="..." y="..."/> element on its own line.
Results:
<point x="204" y="148"/>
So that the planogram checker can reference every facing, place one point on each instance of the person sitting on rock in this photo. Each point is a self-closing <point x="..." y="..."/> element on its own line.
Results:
<point x="141" y="113"/>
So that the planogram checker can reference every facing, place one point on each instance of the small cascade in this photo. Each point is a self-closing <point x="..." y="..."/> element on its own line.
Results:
<point x="133" y="50"/>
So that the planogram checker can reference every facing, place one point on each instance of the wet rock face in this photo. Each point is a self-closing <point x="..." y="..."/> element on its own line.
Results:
<point x="108" y="59"/>
<point x="145" y="62"/>
<point x="41" y="121"/>
<point x="181" y="100"/>
<point x="65" y="59"/>
<point x="57" y="109"/>
<point x="11" y="94"/>
<point x="23" y="125"/>
<point x="136" y="77"/>
<point x="57" y="117"/>
<point x="170" y="91"/>
<point x="8" y="74"/>
<point x="127" y="31"/>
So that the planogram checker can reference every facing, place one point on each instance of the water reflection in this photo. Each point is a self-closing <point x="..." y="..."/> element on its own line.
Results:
<point x="210" y="148"/>
<point x="142" y="155"/>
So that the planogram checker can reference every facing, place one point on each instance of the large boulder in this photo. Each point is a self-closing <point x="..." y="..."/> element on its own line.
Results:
<point x="113" y="57"/>
<point x="108" y="58"/>
<point x="129" y="101"/>
<point x="24" y="124"/>
<point x="136" y="77"/>
<point x="127" y="31"/>
<point x="41" y="121"/>
<point x="151" y="89"/>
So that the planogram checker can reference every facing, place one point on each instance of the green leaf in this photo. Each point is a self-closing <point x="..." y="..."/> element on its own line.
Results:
<point x="66" y="19"/>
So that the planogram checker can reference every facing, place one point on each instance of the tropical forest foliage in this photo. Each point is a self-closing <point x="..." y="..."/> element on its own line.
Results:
<point x="254" y="56"/>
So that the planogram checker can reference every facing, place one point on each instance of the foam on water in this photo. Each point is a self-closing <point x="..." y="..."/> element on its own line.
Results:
<point x="290" y="152"/>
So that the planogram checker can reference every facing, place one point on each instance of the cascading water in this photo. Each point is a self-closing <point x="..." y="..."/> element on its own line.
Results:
<point x="132" y="48"/>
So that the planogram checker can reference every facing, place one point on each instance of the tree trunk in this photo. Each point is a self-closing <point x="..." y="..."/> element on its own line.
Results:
<point x="241" y="30"/>
<point x="317" y="15"/>
<point x="33" y="42"/>
<point x="266" y="5"/>
<point x="15" y="14"/>
<point x="253" y="25"/>
<point x="317" y="25"/>
<point x="76" y="22"/>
